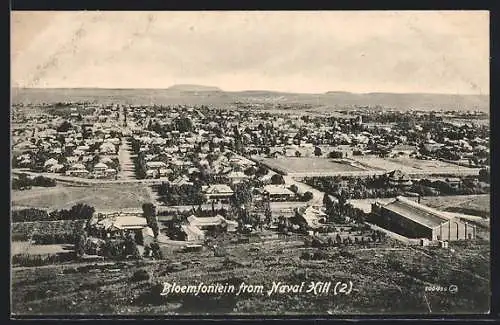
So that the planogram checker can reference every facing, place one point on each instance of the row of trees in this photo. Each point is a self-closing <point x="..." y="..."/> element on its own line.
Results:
<point x="180" y="195"/>
<point x="374" y="237"/>
<point x="23" y="182"/>
<point x="76" y="212"/>
<point x="379" y="187"/>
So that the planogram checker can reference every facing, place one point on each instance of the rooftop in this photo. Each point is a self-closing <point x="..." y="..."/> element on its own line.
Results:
<point x="416" y="212"/>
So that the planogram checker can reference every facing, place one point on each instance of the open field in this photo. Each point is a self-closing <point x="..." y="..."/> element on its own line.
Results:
<point x="292" y="165"/>
<point x="411" y="166"/>
<point x="104" y="197"/>
<point x="385" y="279"/>
<point x="468" y="204"/>
<point x="20" y="247"/>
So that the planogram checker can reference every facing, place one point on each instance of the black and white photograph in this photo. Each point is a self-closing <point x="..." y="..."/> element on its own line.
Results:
<point x="273" y="163"/>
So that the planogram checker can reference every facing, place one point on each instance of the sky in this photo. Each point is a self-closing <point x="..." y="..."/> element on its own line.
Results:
<point x="307" y="52"/>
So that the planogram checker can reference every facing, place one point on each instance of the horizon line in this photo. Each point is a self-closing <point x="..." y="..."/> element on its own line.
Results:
<point x="262" y="90"/>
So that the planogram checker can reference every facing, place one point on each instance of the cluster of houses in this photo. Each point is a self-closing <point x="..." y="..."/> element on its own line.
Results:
<point x="70" y="146"/>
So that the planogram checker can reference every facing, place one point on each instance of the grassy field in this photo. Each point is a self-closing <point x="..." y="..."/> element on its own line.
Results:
<point x="467" y="204"/>
<point x="103" y="197"/>
<point x="385" y="279"/>
<point x="20" y="247"/>
<point x="424" y="164"/>
<point x="307" y="164"/>
<point x="407" y="164"/>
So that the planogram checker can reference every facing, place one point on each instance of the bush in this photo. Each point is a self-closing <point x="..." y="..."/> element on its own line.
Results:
<point x="335" y="154"/>
<point x="346" y="253"/>
<point x="140" y="275"/>
<point x="306" y="256"/>
<point x="43" y="181"/>
<point x="277" y="179"/>
<point x="320" y="255"/>
<point x="307" y="196"/>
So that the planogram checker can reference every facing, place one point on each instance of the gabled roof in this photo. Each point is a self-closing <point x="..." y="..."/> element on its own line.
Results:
<point x="217" y="188"/>
<point x="100" y="165"/>
<point x="277" y="190"/>
<point x="207" y="221"/>
<point x="416" y="212"/>
<point x="130" y="222"/>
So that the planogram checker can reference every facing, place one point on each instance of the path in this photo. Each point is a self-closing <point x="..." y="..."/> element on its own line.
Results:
<point x="317" y="194"/>
<point x="127" y="168"/>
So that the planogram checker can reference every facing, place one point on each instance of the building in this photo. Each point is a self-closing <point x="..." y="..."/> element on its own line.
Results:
<point x="100" y="169"/>
<point x="399" y="179"/>
<point x="208" y="223"/>
<point x="277" y="192"/>
<point x="193" y="233"/>
<point x="415" y="220"/>
<point x="237" y="177"/>
<point x="77" y="170"/>
<point x="217" y="192"/>
<point x="195" y="230"/>
<point x="313" y="217"/>
<point x="116" y="225"/>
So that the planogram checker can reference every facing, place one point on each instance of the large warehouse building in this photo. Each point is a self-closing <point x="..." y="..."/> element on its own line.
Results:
<point x="415" y="220"/>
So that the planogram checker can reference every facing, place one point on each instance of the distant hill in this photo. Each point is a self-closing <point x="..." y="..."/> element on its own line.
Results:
<point x="194" y="88"/>
<point x="197" y="95"/>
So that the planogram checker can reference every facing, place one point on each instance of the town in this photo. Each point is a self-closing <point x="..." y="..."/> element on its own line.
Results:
<point x="200" y="188"/>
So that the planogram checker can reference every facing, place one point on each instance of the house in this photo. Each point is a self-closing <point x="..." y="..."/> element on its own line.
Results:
<point x="77" y="170"/>
<point x="398" y="178"/>
<point x="404" y="149"/>
<point x="278" y="192"/>
<point x="312" y="217"/>
<point x="237" y="177"/>
<point x="50" y="162"/>
<point x="107" y="148"/>
<point x="116" y="225"/>
<point x="452" y="182"/>
<point x="193" y="233"/>
<point x="181" y="180"/>
<point x="100" y="169"/>
<point x="415" y="220"/>
<point x="217" y="192"/>
<point x="208" y="223"/>
<point x="55" y="168"/>
<point x="155" y="165"/>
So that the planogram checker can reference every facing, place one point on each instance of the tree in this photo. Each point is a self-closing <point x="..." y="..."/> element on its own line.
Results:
<point x="298" y="154"/>
<point x="139" y="238"/>
<point x="250" y="171"/>
<point x="242" y="195"/>
<point x="335" y="154"/>
<point x="261" y="171"/>
<point x="21" y="183"/>
<point x="149" y="212"/>
<point x="308" y="196"/>
<point x="484" y="175"/>
<point x="294" y="188"/>
<point x="31" y="214"/>
<point x="80" y="240"/>
<point x="64" y="127"/>
<point x="131" y="246"/>
<point x="277" y="179"/>
<point x="156" y="252"/>
<point x="327" y="201"/>
<point x="317" y="151"/>
<point x="184" y="124"/>
<point x="81" y="211"/>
